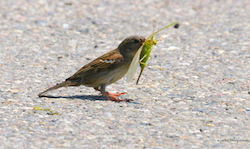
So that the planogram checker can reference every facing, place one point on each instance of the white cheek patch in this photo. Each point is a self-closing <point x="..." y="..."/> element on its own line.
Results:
<point x="110" y="61"/>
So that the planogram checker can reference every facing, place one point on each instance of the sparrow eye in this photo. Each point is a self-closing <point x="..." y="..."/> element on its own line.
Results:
<point x="136" y="41"/>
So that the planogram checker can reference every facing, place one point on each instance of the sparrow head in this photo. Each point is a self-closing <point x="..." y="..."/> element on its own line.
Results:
<point x="130" y="45"/>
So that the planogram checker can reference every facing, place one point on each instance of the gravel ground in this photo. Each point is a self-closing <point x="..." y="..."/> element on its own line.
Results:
<point x="200" y="98"/>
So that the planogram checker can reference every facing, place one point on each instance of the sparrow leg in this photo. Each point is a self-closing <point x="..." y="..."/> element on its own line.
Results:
<point x="111" y="96"/>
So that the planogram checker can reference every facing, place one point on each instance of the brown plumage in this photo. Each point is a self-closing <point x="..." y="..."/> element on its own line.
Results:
<point x="106" y="69"/>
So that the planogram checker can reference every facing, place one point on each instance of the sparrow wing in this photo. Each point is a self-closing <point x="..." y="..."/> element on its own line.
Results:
<point x="105" y="62"/>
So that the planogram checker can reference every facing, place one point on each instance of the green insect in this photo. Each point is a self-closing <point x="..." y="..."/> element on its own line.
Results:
<point x="143" y="54"/>
<point x="147" y="48"/>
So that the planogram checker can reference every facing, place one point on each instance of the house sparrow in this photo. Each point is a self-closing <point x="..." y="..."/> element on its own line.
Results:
<point x="106" y="69"/>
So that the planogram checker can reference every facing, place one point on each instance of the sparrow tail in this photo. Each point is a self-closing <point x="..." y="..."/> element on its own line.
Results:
<point x="65" y="83"/>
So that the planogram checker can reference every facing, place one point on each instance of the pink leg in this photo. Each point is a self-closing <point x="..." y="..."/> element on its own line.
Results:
<point x="111" y="96"/>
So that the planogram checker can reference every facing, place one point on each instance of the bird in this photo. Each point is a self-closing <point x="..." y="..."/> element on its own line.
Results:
<point x="105" y="70"/>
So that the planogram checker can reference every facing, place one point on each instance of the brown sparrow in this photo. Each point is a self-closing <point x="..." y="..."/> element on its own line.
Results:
<point x="106" y="69"/>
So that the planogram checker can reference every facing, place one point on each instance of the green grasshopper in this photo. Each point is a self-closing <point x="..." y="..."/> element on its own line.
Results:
<point x="143" y="54"/>
<point x="147" y="48"/>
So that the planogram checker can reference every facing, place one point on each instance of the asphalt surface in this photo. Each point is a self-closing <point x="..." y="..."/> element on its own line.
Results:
<point x="195" y="93"/>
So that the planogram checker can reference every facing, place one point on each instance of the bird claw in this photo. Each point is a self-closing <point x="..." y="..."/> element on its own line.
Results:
<point x="113" y="97"/>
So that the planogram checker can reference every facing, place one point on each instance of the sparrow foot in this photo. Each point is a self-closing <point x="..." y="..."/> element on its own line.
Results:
<point x="113" y="97"/>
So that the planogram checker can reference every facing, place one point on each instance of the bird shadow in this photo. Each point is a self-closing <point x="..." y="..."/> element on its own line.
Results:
<point x="87" y="97"/>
